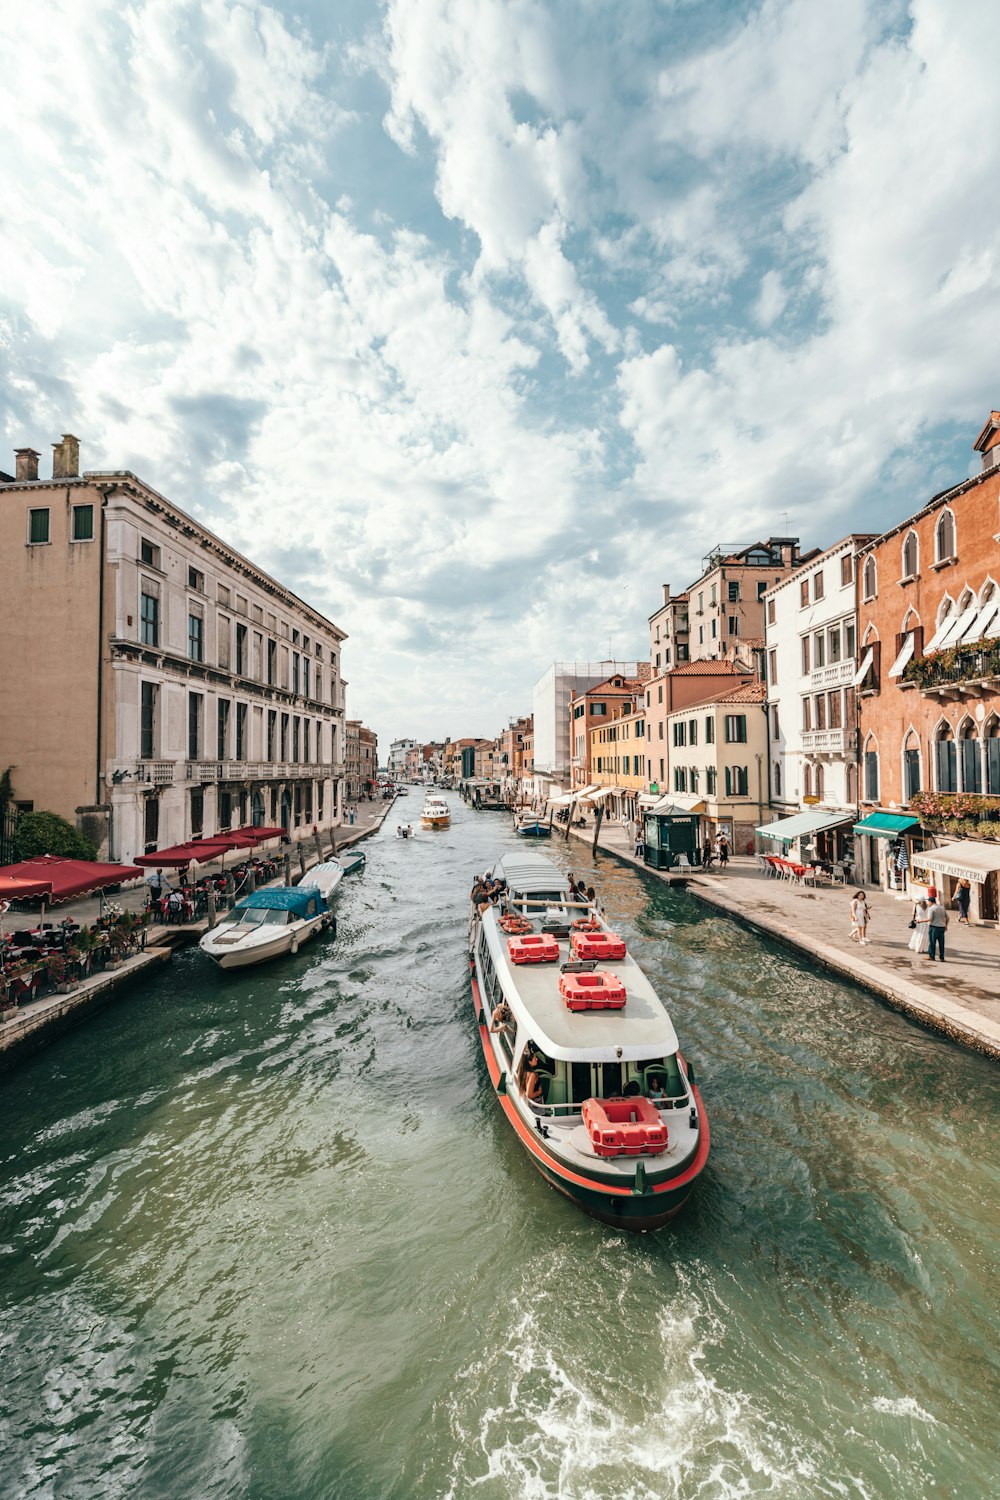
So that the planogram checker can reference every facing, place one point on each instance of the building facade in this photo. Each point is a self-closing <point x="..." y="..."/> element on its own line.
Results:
<point x="691" y="682"/>
<point x="551" y="722"/>
<point x="618" y="755"/>
<point x="594" y="706"/>
<point x="199" y="694"/>
<point x="398" y="751"/>
<point x="929" y="677"/>
<point x="726" y="604"/>
<point x="669" y="633"/>
<point x="717" y="763"/>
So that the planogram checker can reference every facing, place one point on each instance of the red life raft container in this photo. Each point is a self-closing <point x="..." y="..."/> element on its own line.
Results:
<point x="624" y="1127"/>
<point x="537" y="949"/>
<point x="598" y="990"/>
<point x="606" y="945"/>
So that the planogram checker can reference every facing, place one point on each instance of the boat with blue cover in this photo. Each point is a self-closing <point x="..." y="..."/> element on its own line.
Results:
<point x="266" y="924"/>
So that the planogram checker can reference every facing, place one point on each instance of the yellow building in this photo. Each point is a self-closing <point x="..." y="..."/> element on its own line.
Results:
<point x="618" y="759"/>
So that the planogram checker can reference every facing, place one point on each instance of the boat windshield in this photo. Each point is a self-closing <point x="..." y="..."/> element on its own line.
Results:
<point x="256" y="916"/>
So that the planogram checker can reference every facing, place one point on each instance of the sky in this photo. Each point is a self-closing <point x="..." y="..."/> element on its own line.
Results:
<point x="474" y="323"/>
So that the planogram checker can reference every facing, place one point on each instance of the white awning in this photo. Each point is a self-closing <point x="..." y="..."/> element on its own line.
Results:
<point x="563" y="800"/>
<point x="896" y="670"/>
<point x="800" y="824"/>
<point x="862" y="671"/>
<point x="605" y="791"/>
<point x="691" y="801"/>
<point x="649" y="799"/>
<point x="957" y="627"/>
<point x="981" y="623"/>
<point x="967" y="860"/>
<point x="939" y="634"/>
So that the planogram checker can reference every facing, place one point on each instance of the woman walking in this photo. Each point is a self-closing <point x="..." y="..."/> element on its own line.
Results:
<point x="963" y="898"/>
<point x="920" y="936"/>
<point x="859" y="919"/>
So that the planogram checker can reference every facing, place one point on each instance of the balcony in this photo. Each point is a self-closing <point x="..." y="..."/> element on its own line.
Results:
<point x="260" y="770"/>
<point x="152" y="772"/>
<point x="954" y="673"/>
<point x="837" y="674"/>
<point x="828" y="742"/>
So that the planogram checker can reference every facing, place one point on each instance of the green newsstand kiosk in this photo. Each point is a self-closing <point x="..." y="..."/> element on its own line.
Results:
<point x="670" y="832"/>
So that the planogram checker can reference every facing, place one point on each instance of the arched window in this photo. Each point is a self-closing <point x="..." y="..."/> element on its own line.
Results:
<point x="257" y="810"/>
<point x="972" y="760"/>
<point x="944" y="537"/>
<point x="870" y="764"/>
<point x="869" y="579"/>
<point x="945" y="763"/>
<point x="991" y="741"/>
<point x="911" y="766"/>
<point x="818" y="782"/>
<point x="807" y="780"/>
<point x="911" y="555"/>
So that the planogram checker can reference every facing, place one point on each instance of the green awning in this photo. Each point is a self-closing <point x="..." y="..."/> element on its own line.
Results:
<point x="885" y="825"/>
<point x="787" y="829"/>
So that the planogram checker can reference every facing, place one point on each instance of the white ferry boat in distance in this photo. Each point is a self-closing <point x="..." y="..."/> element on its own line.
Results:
<point x="582" y="1053"/>
<point x="435" y="813"/>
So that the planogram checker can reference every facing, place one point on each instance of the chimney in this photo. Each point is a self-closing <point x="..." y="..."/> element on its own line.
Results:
<point x="66" y="458"/>
<point x="988" y="442"/>
<point x="666" y="593"/>
<point x="27" y="463"/>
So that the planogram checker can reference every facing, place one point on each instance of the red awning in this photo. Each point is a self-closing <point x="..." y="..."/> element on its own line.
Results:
<point x="244" y="838"/>
<point x="266" y="833"/>
<point x="179" y="856"/>
<point x="71" y="877"/>
<point x="19" y="888"/>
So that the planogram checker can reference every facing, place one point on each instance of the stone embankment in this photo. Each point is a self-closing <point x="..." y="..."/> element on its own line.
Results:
<point x="959" y="998"/>
<point x="40" y="1021"/>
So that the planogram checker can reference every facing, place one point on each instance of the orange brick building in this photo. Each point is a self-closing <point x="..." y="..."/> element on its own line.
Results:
<point x="929" y="674"/>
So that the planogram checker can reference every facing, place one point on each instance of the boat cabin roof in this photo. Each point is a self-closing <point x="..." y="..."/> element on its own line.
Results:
<point x="303" y="900"/>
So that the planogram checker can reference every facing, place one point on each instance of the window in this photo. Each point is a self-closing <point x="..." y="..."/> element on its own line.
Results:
<point x="222" y="729"/>
<point x="806" y="715"/>
<point x="944" y="537"/>
<point x="149" y="554"/>
<point x="197" y="810"/>
<point x="709" y="730"/>
<point x="819" y="708"/>
<point x="807" y="779"/>
<point x="711" y="781"/>
<point x="871" y="775"/>
<point x="972" y="763"/>
<point x="910" y="555"/>
<point x="737" y="781"/>
<point x="805" y="655"/>
<point x="818" y="782"/>
<point x="680" y="732"/>
<point x="770" y="611"/>
<point x="733" y="590"/>
<point x="296" y="737"/>
<point x="776" y="777"/>
<point x="305" y="739"/>
<point x="833" y="644"/>
<point x="715" y="629"/>
<point x="692" y="731"/>
<point x="833" y="711"/>
<point x="196" y="705"/>
<point x="819" y="650"/>
<point x="819" y="588"/>
<point x="869" y="579"/>
<point x="775" y="733"/>
<point x="284" y="738"/>
<point x="83" y="523"/>
<point x="272" y="730"/>
<point x="196" y="580"/>
<point x="38" y="527"/>
<point x="761" y="588"/>
<point x="579" y="710"/>
<point x="147" y="720"/>
<point x="682" y="652"/>
<point x="772" y="668"/>
<point x="599" y="709"/>
<point x="680" y="779"/>
<point x="149" y="620"/>
<point x="225" y="810"/>
<point x="223" y="634"/>
<point x="296" y="663"/>
<point x="846" y="570"/>
<point x="734" y="625"/>
<point x="151" y="823"/>
<point x="736" y="729"/>
<point x="196" y="642"/>
<point x="803" y="593"/>
<point x="850" y="636"/>
<point x="241" y="731"/>
<point x="305" y="676"/>
<point x="911" y="772"/>
<point x="241" y="650"/>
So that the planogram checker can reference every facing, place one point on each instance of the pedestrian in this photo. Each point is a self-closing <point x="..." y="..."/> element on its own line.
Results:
<point x="963" y="897"/>
<point x="937" y="919"/>
<point x="859" y="919"/>
<point x="920" y="936"/>
<point x="706" y="854"/>
<point x="723" y="851"/>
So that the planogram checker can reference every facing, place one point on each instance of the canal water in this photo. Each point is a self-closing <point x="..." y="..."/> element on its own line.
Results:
<point x="269" y="1237"/>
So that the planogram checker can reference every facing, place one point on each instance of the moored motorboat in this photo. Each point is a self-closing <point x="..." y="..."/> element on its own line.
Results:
<point x="582" y="1053"/>
<point x="435" y="813"/>
<point x="352" y="861"/>
<point x="266" y="924"/>
<point x="326" y="877"/>
<point x="529" y="825"/>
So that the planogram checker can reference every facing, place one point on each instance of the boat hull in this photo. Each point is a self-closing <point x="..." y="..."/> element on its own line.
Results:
<point x="261" y="953"/>
<point x="620" y="1207"/>
<point x="533" y="831"/>
<point x="435" y="822"/>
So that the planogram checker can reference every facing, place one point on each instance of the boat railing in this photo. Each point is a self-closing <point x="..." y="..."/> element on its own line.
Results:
<point x="550" y="1111"/>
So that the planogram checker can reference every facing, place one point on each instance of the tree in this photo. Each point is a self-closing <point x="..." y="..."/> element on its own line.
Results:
<point x="47" y="833"/>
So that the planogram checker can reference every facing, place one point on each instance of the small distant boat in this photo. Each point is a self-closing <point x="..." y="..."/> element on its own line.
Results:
<point x="404" y="831"/>
<point x="435" y="813"/>
<point x="352" y="861"/>
<point x="276" y="920"/>
<point x="529" y="825"/>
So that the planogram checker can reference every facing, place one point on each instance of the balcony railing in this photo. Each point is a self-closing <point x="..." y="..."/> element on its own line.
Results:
<point x="260" y="770"/>
<point x="963" y="667"/>
<point x="828" y="741"/>
<point x="837" y="674"/>
<point x="156" y="772"/>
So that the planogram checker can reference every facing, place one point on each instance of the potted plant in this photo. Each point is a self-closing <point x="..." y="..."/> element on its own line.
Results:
<point x="55" y="968"/>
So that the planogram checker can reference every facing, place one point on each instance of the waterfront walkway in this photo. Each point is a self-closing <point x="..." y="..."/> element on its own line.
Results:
<point x="960" y="997"/>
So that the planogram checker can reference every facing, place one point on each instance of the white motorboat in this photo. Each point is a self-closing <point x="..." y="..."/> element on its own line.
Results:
<point x="276" y="920"/>
<point x="326" y="877"/>
<point x="582" y="1053"/>
<point x="435" y="813"/>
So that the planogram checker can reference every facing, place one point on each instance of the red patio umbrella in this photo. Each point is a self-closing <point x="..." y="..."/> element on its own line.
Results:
<point x="67" y="878"/>
<point x="20" y="888"/>
<point x="265" y="833"/>
<point x="179" y="856"/>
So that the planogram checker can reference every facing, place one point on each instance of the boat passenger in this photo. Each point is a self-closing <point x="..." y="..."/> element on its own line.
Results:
<point x="632" y="1088"/>
<point x="657" y="1089"/>
<point x="502" y="1018"/>
<point x="530" y="1081"/>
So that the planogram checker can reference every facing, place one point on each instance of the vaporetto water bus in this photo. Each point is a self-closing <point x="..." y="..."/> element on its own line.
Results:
<point x="435" y="813"/>
<point x="582" y="1053"/>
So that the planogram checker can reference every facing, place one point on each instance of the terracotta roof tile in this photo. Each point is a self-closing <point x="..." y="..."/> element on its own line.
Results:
<point x="749" y="692"/>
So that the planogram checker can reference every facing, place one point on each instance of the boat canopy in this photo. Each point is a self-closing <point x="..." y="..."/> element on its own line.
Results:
<point x="302" y="900"/>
